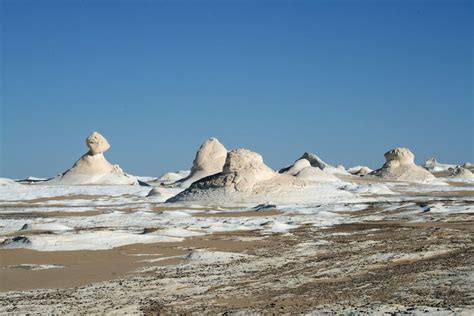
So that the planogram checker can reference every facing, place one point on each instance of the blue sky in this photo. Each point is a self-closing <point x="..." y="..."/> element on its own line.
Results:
<point x="347" y="80"/>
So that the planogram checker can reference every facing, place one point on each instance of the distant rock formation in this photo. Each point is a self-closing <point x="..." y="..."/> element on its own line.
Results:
<point x="316" y="175"/>
<point x="171" y="177"/>
<point x="6" y="181"/>
<point x="209" y="160"/>
<point x="468" y="165"/>
<point x="433" y="165"/>
<point x="93" y="168"/>
<point x="341" y="168"/>
<point x="302" y="169"/>
<point x="400" y="166"/>
<point x="461" y="173"/>
<point x="296" y="167"/>
<point x="359" y="170"/>
<point x="315" y="161"/>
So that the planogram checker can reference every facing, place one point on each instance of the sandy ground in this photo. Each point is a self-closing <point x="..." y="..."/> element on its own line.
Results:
<point x="397" y="264"/>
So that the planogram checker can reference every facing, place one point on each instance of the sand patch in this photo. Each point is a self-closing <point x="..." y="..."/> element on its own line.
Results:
<point x="89" y="266"/>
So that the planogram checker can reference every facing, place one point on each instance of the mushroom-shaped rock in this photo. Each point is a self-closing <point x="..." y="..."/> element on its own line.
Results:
<point x="97" y="143"/>
<point x="400" y="166"/>
<point x="93" y="168"/>
<point x="400" y="156"/>
<point x="209" y="160"/>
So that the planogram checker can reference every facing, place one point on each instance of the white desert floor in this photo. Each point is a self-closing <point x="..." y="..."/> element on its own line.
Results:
<point x="142" y="255"/>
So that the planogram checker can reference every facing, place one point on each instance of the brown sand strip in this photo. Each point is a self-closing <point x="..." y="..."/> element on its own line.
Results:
<point x="81" y="267"/>
<point x="52" y="214"/>
<point x="65" y="197"/>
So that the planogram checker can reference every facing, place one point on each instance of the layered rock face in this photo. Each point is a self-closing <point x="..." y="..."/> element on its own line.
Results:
<point x="400" y="166"/>
<point x="93" y="168"/>
<point x="209" y="160"/>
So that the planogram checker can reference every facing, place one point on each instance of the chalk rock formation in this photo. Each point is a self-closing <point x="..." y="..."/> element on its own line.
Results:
<point x="314" y="160"/>
<point x="460" y="173"/>
<point x="297" y="167"/>
<point x="400" y="166"/>
<point x="97" y="143"/>
<point x="340" y="168"/>
<point x="316" y="175"/>
<point x="433" y="165"/>
<point x="302" y="169"/>
<point x="93" y="168"/>
<point x="171" y="177"/>
<point x="209" y="160"/>
<point x="243" y="172"/>
<point x="359" y="170"/>
<point x="6" y="181"/>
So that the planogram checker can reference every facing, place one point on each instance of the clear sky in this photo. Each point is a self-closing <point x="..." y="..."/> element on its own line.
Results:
<point x="347" y="80"/>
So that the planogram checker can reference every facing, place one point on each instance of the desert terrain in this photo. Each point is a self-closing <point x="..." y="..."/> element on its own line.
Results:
<point x="311" y="238"/>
